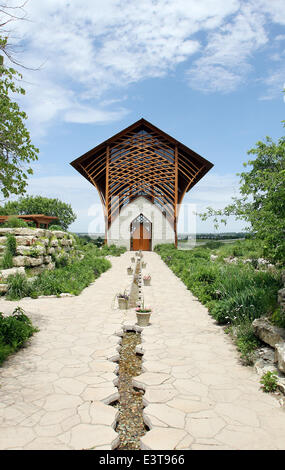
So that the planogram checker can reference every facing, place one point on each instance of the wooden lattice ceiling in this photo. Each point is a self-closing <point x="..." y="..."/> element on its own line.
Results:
<point x="143" y="161"/>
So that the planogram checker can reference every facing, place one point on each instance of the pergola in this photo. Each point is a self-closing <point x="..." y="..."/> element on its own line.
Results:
<point x="37" y="218"/>
<point x="143" y="161"/>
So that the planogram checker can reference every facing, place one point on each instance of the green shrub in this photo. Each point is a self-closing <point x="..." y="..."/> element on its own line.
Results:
<point x="72" y="278"/>
<point x="61" y="261"/>
<point x="269" y="382"/>
<point x="213" y="245"/>
<point x="246" y="341"/>
<point x="18" y="287"/>
<point x="57" y="227"/>
<point x="11" y="244"/>
<point x="14" y="222"/>
<point x="278" y="318"/>
<point x="7" y="260"/>
<point x="10" y="251"/>
<point x="14" y="332"/>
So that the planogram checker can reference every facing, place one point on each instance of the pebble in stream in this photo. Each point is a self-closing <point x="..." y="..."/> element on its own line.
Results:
<point x="130" y="425"/>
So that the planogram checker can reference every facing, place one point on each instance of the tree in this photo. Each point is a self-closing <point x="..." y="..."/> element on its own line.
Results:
<point x="16" y="149"/>
<point x="41" y="205"/>
<point x="262" y="201"/>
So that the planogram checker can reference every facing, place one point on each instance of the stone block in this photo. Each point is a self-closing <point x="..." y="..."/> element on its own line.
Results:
<point x="65" y="242"/>
<point x="27" y="261"/>
<point x="267" y="332"/>
<point x="5" y="273"/>
<point x="25" y="240"/>
<point x="34" y="232"/>
<point x="280" y="356"/>
<point x="58" y="234"/>
<point x="3" y="240"/>
<point x="31" y="251"/>
<point x="19" y="261"/>
<point x="3" y="288"/>
<point x="50" y="266"/>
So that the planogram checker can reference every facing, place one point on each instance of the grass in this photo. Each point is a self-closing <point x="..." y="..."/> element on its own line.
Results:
<point x="235" y="294"/>
<point x="10" y="251"/>
<point x="68" y="277"/>
<point x="14" y="332"/>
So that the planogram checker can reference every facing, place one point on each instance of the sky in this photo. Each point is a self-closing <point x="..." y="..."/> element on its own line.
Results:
<point x="209" y="73"/>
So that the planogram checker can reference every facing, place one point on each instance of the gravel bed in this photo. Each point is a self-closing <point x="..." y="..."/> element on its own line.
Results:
<point x="130" y="423"/>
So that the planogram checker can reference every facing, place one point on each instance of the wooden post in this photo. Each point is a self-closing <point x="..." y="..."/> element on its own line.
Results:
<point x="176" y="194"/>
<point x="107" y="195"/>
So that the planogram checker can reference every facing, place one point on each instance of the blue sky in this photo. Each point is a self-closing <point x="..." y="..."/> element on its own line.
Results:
<point x="209" y="73"/>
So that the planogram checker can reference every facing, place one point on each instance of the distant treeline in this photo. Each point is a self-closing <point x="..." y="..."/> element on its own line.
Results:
<point x="216" y="236"/>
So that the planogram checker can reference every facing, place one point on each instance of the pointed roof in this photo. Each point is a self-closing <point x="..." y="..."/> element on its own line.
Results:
<point x="203" y="165"/>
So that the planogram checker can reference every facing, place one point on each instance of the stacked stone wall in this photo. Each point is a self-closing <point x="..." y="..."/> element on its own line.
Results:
<point x="37" y="249"/>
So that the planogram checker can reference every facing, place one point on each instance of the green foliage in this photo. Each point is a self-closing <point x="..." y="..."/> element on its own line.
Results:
<point x="269" y="382"/>
<point x="278" y="318"/>
<point x="70" y="278"/>
<point x="234" y="294"/>
<point x="11" y="244"/>
<point x="61" y="261"/>
<point x="85" y="239"/>
<point x="14" y="332"/>
<point x="262" y="201"/>
<point x="56" y="227"/>
<point x="10" y="251"/>
<point x="18" y="287"/>
<point x="246" y="341"/>
<point x="14" y="222"/>
<point x="41" y="205"/>
<point x="16" y="149"/>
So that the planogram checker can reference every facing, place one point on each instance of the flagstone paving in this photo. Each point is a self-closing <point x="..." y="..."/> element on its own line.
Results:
<point x="54" y="394"/>
<point x="198" y="395"/>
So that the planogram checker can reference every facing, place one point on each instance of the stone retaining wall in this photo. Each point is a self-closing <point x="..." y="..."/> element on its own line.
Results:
<point x="37" y="249"/>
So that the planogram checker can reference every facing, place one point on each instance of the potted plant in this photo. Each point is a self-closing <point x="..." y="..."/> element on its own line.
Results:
<point x="129" y="270"/>
<point x="123" y="300"/>
<point x="133" y="259"/>
<point x="146" y="280"/>
<point x="143" y="264"/>
<point x="143" y="315"/>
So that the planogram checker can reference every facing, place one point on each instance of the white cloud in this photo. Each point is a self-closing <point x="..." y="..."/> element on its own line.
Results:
<point x="87" y="115"/>
<point x="90" y="47"/>
<point x="225" y="60"/>
<point x="275" y="84"/>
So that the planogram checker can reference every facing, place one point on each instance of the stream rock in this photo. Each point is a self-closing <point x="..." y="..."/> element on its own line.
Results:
<point x="267" y="332"/>
<point x="280" y="356"/>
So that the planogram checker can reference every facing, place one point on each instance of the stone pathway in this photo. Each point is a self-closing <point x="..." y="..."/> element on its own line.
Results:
<point x="55" y="393"/>
<point x="198" y="396"/>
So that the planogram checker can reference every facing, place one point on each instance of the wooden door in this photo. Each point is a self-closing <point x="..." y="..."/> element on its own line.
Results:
<point x="141" y="234"/>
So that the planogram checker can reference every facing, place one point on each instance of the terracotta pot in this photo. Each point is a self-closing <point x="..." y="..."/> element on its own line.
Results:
<point x="143" y="318"/>
<point x="123" y="303"/>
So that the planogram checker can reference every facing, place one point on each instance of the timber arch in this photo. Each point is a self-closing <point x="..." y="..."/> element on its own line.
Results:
<point x="141" y="162"/>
